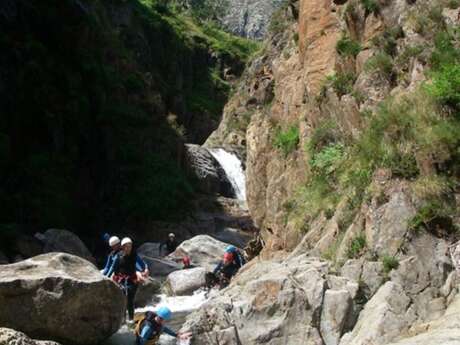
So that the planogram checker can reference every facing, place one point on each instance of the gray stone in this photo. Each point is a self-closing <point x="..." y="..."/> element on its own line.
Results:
<point x="59" y="240"/>
<point x="11" y="337"/>
<point x="60" y="297"/>
<point x="336" y="308"/>
<point x="383" y="318"/>
<point x="184" y="282"/>
<point x="151" y="249"/>
<point x="372" y="277"/>
<point x="203" y="250"/>
<point x="204" y="167"/>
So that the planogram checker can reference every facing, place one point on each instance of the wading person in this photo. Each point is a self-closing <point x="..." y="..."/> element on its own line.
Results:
<point x="150" y="325"/>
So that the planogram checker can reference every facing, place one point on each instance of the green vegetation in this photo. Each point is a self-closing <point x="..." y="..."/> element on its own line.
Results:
<point x="342" y="83"/>
<point x="348" y="47"/>
<point x="357" y="245"/>
<point x="387" y="41"/>
<point x="328" y="158"/>
<point x="287" y="141"/>
<point x="93" y="115"/>
<point x="371" y="6"/>
<point x="389" y="263"/>
<point x="380" y="64"/>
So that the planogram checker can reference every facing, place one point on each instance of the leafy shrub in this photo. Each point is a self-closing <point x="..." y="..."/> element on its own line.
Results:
<point x="327" y="159"/>
<point x="287" y="141"/>
<point x="342" y="83"/>
<point x="356" y="247"/>
<point x="381" y="64"/>
<point x="445" y="87"/>
<point x="388" y="40"/>
<point x="371" y="6"/>
<point x="348" y="47"/>
<point x="389" y="263"/>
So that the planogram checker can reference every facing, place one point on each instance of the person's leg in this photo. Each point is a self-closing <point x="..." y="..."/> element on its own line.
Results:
<point x="132" y="289"/>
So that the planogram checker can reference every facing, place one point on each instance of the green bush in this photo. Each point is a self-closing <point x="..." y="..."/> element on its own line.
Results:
<point x="389" y="263"/>
<point x="381" y="64"/>
<point x="287" y="141"/>
<point x="371" y="6"/>
<point x="328" y="158"/>
<point x="356" y="247"/>
<point x="445" y="87"/>
<point x="342" y="83"/>
<point x="348" y="47"/>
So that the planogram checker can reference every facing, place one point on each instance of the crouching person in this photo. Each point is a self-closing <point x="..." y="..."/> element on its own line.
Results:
<point x="150" y="326"/>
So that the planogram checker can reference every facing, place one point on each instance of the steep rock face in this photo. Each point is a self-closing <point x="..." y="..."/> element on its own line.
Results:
<point x="64" y="297"/>
<point x="249" y="18"/>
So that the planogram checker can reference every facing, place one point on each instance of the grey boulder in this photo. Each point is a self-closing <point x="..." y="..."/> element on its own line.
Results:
<point x="60" y="297"/>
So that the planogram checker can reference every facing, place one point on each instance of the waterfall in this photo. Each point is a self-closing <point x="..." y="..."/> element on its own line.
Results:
<point x="233" y="169"/>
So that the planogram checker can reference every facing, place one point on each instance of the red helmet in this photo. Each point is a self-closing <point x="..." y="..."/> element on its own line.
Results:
<point x="228" y="256"/>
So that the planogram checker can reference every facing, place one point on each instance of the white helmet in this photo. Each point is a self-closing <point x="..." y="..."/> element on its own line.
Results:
<point x="171" y="235"/>
<point x="126" y="240"/>
<point x="114" y="240"/>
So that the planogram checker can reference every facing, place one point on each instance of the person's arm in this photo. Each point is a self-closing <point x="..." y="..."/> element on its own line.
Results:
<point x="218" y="267"/>
<point x="107" y="265"/>
<point x="140" y="264"/>
<point x="113" y="266"/>
<point x="145" y="334"/>
<point x="169" y="331"/>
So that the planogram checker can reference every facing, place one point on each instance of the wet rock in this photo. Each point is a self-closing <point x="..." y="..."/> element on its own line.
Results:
<point x="64" y="297"/>
<point x="146" y="293"/>
<point x="11" y="337"/>
<point x="184" y="282"/>
<point x="205" y="168"/>
<point x="203" y="250"/>
<point x="59" y="240"/>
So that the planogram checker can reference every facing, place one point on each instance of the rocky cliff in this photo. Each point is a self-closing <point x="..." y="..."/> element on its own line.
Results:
<point x="321" y="113"/>
<point x="349" y="118"/>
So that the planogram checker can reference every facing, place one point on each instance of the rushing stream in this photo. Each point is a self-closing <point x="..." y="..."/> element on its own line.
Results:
<point x="233" y="169"/>
<point x="181" y="306"/>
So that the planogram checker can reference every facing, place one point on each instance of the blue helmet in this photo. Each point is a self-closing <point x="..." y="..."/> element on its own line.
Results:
<point x="106" y="237"/>
<point x="230" y="249"/>
<point x="164" y="313"/>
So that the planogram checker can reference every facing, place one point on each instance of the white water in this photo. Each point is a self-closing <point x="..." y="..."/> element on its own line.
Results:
<point x="233" y="169"/>
<point x="178" y="303"/>
<point x="181" y="306"/>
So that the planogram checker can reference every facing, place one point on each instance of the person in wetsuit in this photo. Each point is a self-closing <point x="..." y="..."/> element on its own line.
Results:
<point x="124" y="268"/>
<point x="226" y="269"/>
<point x="151" y="324"/>
<point x="171" y="244"/>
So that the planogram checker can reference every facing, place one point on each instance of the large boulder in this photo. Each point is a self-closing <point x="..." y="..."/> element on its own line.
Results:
<point x="207" y="171"/>
<point x="61" y="297"/>
<point x="184" y="282"/>
<point x="57" y="240"/>
<point x="28" y="246"/>
<point x="274" y="302"/>
<point x="203" y="250"/>
<point x="12" y="337"/>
